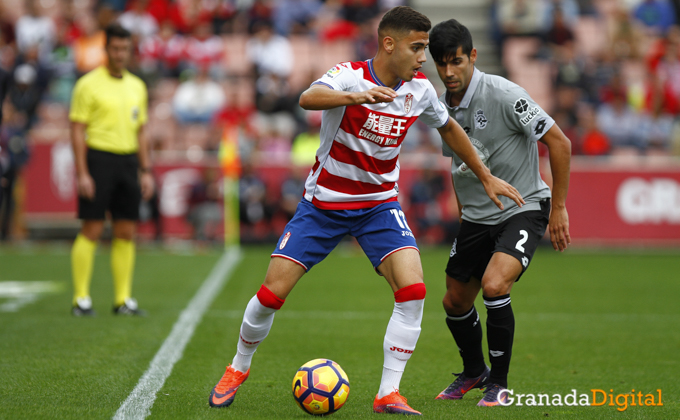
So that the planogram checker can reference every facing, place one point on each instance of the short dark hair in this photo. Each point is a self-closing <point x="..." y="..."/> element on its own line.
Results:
<point x="403" y="19"/>
<point x="115" y="30"/>
<point x="445" y="39"/>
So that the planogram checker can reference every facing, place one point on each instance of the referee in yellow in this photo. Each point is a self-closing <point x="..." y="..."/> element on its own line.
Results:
<point x="108" y="113"/>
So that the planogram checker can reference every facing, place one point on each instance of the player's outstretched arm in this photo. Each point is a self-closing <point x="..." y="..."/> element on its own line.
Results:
<point x="454" y="136"/>
<point x="321" y="97"/>
<point x="559" y="148"/>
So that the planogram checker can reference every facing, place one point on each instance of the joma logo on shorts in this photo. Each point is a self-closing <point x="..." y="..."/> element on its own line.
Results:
<point x="401" y="350"/>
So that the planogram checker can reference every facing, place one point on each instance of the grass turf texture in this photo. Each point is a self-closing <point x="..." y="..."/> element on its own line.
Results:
<point x="584" y="321"/>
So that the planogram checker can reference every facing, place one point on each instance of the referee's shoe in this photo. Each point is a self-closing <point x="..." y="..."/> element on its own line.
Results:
<point x="83" y="307"/>
<point x="129" y="307"/>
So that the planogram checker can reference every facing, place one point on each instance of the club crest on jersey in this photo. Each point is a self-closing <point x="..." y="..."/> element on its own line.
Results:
<point x="480" y="119"/>
<point x="334" y="71"/>
<point x="284" y="241"/>
<point x="135" y="113"/>
<point x="408" y="102"/>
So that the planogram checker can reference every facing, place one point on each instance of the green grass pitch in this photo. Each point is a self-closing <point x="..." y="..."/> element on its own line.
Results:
<point x="602" y="320"/>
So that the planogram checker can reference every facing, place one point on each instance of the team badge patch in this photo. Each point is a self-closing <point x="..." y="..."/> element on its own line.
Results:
<point x="480" y="119"/>
<point x="408" y="102"/>
<point x="521" y="106"/>
<point x="334" y="71"/>
<point x="135" y="113"/>
<point x="285" y="240"/>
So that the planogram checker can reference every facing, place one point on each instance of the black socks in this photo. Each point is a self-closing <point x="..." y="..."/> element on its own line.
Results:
<point x="467" y="332"/>
<point x="500" y="330"/>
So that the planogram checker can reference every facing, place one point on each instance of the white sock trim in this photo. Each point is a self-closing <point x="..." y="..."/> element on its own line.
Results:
<point x="462" y="317"/>
<point x="495" y="304"/>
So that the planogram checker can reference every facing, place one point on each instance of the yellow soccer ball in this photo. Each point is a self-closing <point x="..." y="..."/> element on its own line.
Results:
<point x="320" y="387"/>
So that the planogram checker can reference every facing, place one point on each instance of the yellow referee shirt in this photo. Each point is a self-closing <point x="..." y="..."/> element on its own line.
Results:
<point x="114" y="109"/>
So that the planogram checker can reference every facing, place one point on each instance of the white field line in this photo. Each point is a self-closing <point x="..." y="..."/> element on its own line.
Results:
<point x="138" y="404"/>
<point x="21" y="293"/>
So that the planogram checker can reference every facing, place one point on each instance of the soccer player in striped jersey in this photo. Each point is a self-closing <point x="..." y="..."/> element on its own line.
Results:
<point x="352" y="190"/>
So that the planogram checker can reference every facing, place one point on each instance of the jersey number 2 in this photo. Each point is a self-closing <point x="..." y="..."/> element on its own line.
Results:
<point x="521" y="242"/>
<point x="399" y="215"/>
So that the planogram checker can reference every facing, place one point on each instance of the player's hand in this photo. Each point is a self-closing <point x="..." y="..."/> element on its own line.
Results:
<point x="559" y="228"/>
<point x="147" y="185"/>
<point x="376" y="95"/>
<point x="86" y="187"/>
<point x="497" y="186"/>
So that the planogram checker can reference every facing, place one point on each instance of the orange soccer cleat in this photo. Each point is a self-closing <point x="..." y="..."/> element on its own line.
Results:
<point x="224" y="392"/>
<point x="393" y="404"/>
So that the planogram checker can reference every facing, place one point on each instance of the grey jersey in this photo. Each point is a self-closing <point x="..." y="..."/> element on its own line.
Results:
<point x="503" y="124"/>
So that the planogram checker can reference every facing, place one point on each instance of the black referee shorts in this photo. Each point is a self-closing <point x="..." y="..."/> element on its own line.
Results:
<point x="117" y="187"/>
<point x="476" y="243"/>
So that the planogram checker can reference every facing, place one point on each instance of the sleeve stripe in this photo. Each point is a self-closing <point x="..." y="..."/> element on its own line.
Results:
<point x="322" y="83"/>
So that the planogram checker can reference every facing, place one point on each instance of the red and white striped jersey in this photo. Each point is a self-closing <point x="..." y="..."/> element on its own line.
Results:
<point x="357" y="164"/>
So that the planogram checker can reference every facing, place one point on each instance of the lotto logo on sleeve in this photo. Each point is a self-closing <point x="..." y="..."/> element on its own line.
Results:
<point x="539" y="126"/>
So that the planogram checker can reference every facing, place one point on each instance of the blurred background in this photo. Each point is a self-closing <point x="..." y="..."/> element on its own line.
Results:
<point x="608" y="71"/>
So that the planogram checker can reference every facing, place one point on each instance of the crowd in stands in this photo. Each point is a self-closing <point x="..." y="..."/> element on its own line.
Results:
<point x="613" y="69"/>
<point x="208" y="65"/>
<point x="607" y="70"/>
<point x="201" y="59"/>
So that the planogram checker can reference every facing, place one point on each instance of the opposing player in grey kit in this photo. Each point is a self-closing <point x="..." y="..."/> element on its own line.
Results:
<point x="494" y="246"/>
